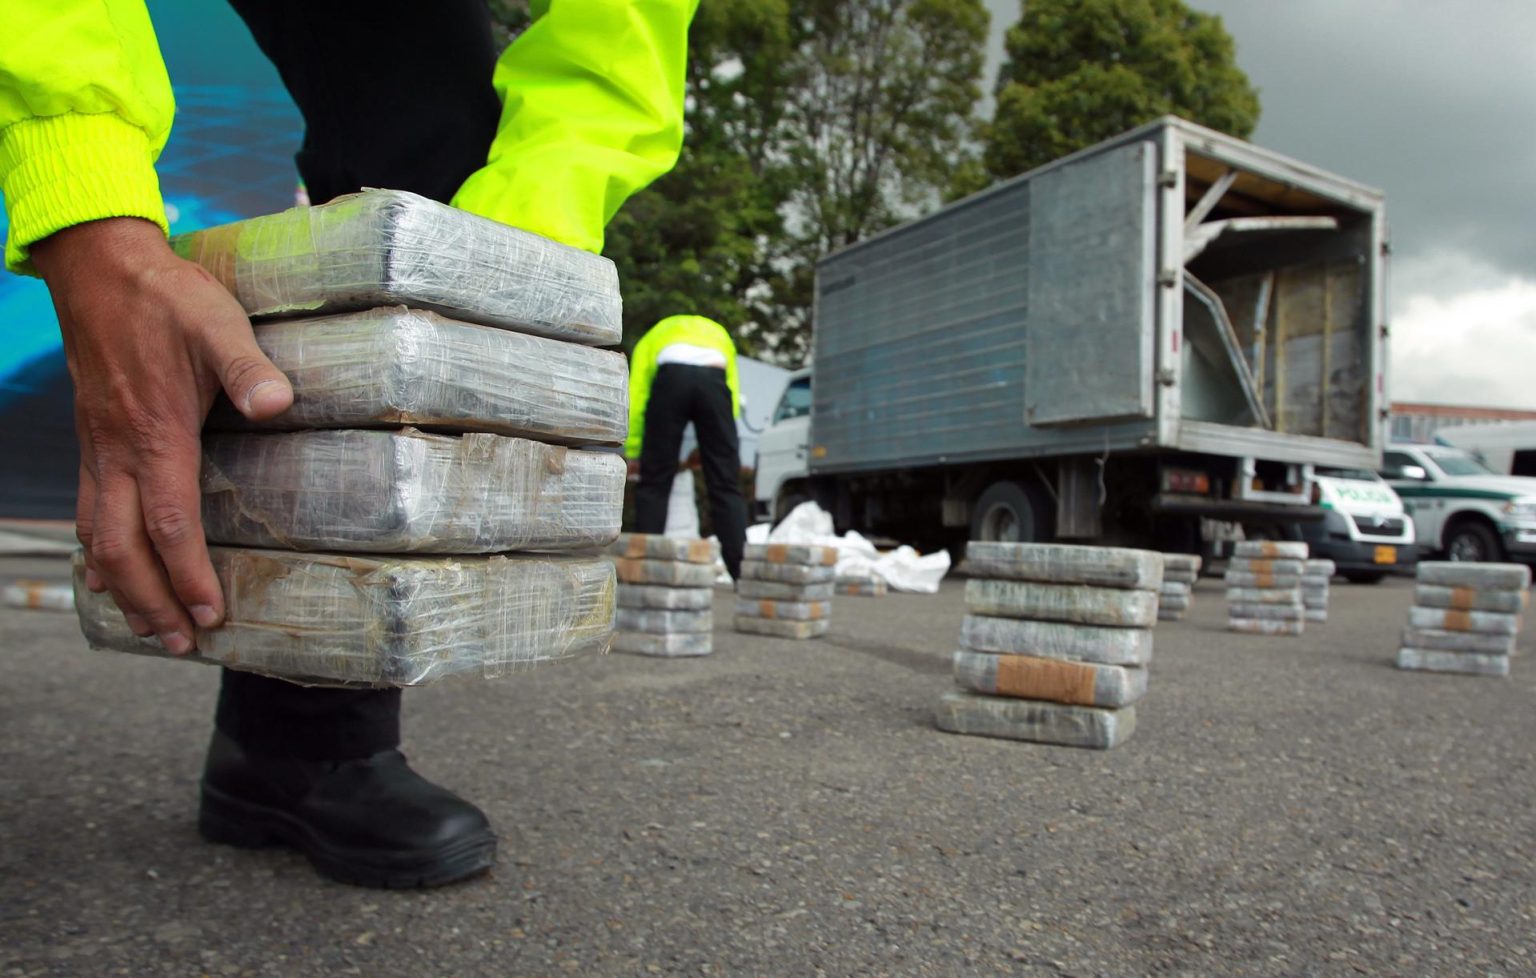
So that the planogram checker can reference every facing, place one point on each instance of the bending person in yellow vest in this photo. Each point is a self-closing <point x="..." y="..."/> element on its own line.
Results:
<point x="684" y="370"/>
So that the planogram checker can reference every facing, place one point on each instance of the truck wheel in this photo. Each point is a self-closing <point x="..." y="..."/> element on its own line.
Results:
<point x="1008" y="513"/>
<point x="787" y="501"/>
<point x="1474" y="541"/>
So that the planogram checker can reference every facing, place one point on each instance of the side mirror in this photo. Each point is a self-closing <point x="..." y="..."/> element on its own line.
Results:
<point x="1407" y="473"/>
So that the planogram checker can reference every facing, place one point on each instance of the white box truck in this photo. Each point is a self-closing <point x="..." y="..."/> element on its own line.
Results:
<point x="1165" y="331"/>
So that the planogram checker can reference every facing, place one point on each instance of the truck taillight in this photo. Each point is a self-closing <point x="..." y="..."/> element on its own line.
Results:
<point x="1186" y="481"/>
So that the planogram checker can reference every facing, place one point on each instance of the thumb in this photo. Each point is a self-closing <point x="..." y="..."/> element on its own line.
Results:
<point x="256" y="387"/>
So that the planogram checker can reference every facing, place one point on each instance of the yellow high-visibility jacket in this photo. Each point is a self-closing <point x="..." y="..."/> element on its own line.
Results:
<point x="592" y="96"/>
<point x="693" y="330"/>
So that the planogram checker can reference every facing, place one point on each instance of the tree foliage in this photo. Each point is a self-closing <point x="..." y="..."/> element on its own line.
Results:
<point x="811" y="124"/>
<point x="1080" y="71"/>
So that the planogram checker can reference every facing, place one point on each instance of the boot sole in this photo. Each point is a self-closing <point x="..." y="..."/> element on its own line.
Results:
<point x="228" y="820"/>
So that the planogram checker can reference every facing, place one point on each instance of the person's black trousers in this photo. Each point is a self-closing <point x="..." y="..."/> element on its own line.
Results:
<point x="395" y="94"/>
<point x="681" y="393"/>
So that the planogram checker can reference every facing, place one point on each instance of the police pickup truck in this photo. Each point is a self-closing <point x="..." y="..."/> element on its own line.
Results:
<point x="1460" y="507"/>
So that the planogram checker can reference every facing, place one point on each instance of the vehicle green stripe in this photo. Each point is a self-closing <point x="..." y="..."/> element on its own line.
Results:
<point x="1434" y="492"/>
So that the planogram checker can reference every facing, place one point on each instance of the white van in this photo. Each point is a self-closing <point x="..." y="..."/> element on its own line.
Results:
<point x="1365" y="530"/>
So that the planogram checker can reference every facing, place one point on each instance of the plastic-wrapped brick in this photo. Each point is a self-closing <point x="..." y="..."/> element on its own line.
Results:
<point x="780" y="591"/>
<point x="1263" y="595"/>
<point x="1034" y="720"/>
<point x="1270" y="549"/>
<point x="1060" y="563"/>
<point x="791" y="553"/>
<point x="1469" y="663"/>
<point x="863" y="587"/>
<point x="1055" y="640"/>
<point x="1267" y="565"/>
<point x="1452" y="620"/>
<point x="668" y="598"/>
<point x="787" y="610"/>
<point x="664" y="573"/>
<point x="388" y="247"/>
<point x="1266" y="626"/>
<point x="1469" y="599"/>
<point x="659" y="621"/>
<point x="779" y="628"/>
<point x="760" y="570"/>
<point x="1482" y="577"/>
<point x="1269" y="612"/>
<point x="653" y="546"/>
<point x="1440" y="640"/>
<point x="1069" y="603"/>
<point x="1235" y="578"/>
<point x="396" y="366"/>
<point x="325" y="619"/>
<point x="1056" y="680"/>
<point x="407" y="492"/>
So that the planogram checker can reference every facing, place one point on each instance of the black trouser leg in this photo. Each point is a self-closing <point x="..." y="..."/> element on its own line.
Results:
<point x="395" y="94"/>
<point x="666" y="416"/>
<point x="720" y="453"/>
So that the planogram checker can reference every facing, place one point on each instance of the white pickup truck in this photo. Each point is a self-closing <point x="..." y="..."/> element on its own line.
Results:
<point x="1460" y="506"/>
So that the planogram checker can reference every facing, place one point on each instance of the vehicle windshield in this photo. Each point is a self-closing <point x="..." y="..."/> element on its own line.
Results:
<point x="1456" y="463"/>
<point x="796" y="402"/>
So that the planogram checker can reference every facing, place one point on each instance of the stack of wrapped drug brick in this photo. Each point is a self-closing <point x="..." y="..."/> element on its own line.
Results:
<point x="1055" y="646"/>
<point x="1180" y="572"/>
<point x="443" y="372"/>
<point x="862" y="587"/>
<point x="666" y="595"/>
<point x="1264" y="588"/>
<point x="1465" y="617"/>
<point x="1316" y="578"/>
<point x="786" y="590"/>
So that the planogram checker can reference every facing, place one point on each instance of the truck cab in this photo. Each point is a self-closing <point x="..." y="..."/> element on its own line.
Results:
<point x="1460" y="507"/>
<point x="780" y="483"/>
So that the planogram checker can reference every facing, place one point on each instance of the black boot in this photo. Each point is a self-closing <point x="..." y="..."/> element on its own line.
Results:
<point x="371" y="821"/>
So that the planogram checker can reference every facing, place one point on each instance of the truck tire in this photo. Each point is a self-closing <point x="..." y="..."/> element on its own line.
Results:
<point x="1009" y="513"/>
<point x="1473" y="540"/>
<point x="789" y="497"/>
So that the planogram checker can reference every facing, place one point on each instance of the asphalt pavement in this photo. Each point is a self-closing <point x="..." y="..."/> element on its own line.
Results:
<point x="1286" y="807"/>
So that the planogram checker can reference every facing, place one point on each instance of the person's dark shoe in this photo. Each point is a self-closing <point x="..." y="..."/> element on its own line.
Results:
<point x="369" y="822"/>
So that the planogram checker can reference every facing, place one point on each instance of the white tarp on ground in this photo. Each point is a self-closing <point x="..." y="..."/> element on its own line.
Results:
<point x="902" y="569"/>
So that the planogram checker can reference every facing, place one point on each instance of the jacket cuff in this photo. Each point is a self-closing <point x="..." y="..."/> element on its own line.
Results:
<point x="63" y="170"/>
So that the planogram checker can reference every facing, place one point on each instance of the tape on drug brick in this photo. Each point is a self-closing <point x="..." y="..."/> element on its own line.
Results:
<point x="1463" y="598"/>
<point x="1045" y="679"/>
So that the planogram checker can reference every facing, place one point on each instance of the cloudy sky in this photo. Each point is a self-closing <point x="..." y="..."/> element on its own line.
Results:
<point x="1434" y="102"/>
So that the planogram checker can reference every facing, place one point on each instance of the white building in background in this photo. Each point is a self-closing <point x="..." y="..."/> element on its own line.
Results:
<point x="1418" y="422"/>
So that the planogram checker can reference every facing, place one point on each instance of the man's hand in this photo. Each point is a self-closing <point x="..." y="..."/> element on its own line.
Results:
<point x="150" y="340"/>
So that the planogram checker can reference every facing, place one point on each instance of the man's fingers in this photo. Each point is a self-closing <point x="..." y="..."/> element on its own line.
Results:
<point x="85" y="519"/>
<point x="126" y="560"/>
<point x="172" y="501"/>
<point x="257" y="388"/>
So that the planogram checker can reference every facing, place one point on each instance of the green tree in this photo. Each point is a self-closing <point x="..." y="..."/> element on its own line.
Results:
<point x="701" y="239"/>
<point x="880" y="114"/>
<point x="1080" y="71"/>
<point x="811" y="124"/>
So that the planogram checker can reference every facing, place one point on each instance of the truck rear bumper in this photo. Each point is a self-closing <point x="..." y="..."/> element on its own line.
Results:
<point x="1231" y="509"/>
